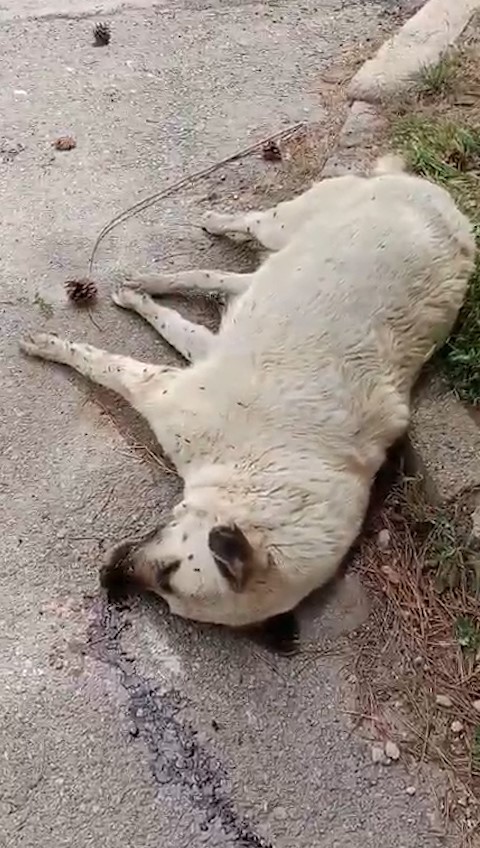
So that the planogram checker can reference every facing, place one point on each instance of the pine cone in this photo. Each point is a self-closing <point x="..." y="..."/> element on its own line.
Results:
<point x="81" y="291"/>
<point x="271" y="151"/>
<point x="64" y="142"/>
<point x="102" y="34"/>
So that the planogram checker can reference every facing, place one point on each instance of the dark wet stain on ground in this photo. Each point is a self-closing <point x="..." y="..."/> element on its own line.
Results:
<point x="176" y="755"/>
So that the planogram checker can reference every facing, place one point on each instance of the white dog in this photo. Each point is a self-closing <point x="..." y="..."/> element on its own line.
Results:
<point x="285" y="416"/>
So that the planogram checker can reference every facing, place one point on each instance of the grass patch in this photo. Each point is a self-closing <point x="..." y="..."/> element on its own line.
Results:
<point x="449" y="154"/>
<point x="440" y="78"/>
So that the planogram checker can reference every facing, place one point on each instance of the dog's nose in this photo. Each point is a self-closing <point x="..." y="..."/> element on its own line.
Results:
<point x="163" y="574"/>
<point x="115" y="573"/>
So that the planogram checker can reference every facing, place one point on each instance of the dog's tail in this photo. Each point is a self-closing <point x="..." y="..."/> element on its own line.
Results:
<point x="390" y="164"/>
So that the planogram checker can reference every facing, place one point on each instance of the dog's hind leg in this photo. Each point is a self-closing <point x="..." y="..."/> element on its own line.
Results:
<point x="261" y="226"/>
<point x="224" y="282"/>
<point x="272" y="228"/>
<point x="191" y="340"/>
<point x="136" y="381"/>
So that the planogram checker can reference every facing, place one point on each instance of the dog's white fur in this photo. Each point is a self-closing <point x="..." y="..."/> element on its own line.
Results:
<point x="284" y="418"/>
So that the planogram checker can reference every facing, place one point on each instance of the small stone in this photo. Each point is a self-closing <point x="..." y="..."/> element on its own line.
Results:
<point x="377" y="754"/>
<point x="392" y="750"/>
<point x="476" y="705"/>
<point x="64" y="142"/>
<point x="456" y="727"/>
<point x="411" y="790"/>
<point x="443" y="701"/>
<point x="383" y="539"/>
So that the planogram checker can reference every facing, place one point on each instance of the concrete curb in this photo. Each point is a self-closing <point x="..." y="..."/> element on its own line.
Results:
<point x="420" y="42"/>
<point x="444" y="440"/>
<point x="357" y="137"/>
<point x="444" y="444"/>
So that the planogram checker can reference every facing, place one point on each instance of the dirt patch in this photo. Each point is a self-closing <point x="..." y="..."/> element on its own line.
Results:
<point x="417" y="660"/>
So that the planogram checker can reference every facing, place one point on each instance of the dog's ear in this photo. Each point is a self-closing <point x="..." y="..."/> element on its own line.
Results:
<point x="232" y="553"/>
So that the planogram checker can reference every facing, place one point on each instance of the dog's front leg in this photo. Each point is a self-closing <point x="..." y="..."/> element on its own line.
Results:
<point x="138" y="382"/>
<point x="192" y="340"/>
<point x="224" y="282"/>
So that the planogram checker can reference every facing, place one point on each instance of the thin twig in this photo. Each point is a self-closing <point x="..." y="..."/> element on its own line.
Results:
<point x="92" y="319"/>
<point x="188" y="180"/>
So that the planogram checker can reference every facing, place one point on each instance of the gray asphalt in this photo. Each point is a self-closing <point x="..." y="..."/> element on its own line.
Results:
<point x="132" y="728"/>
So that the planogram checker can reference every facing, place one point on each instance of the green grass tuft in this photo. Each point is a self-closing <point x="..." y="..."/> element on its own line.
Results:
<point x="440" y="78"/>
<point x="45" y="308"/>
<point x="468" y="634"/>
<point x="450" y="155"/>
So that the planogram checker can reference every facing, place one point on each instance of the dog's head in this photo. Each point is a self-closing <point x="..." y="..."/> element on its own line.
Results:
<point x="204" y="569"/>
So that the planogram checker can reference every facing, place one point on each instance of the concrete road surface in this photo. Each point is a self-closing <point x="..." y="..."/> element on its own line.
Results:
<point x="131" y="728"/>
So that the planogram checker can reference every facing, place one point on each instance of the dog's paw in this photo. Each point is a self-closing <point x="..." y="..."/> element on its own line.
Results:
<point x="40" y="344"/>
<point x="213" y="223"/>
<point x="133" y="282"/>
<point x="128" y="278"/>
<point x="155" y="284"/>
<point x="281" y="634"/>
<point x="127" y="297"/>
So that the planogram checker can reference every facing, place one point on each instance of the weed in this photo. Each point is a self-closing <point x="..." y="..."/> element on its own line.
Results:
<point x="444" y="552"/>
<point x="467" y="633"/>
<point x="447" y="551"/>
<point x="45" y="308"/>
<point x="439" y="78"/>
<point x="449" y="154"/>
